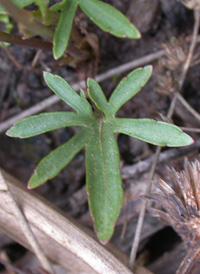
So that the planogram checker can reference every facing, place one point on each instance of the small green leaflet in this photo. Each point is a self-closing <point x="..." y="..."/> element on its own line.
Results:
<point x="23" y="3"/>
<point x="109" y="19"/>
<point x="63" y="30"/>
<point x="19" y="3"/>
<point x="103" y="179"/>
<point x="103" y="15"/>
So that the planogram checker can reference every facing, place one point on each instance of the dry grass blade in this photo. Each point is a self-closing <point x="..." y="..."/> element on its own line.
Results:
<point x="191" y="4"/>
<point x="64" y="241"/>
<point x="21" y="220"/>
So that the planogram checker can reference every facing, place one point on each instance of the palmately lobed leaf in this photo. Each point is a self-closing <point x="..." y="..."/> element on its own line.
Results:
<point x="153" y="132"/>
<point x="103" y="178"/>
<point x="109" y="19"/>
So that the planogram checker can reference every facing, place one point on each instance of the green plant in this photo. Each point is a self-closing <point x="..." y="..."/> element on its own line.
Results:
<point x="97" y="136"/>
<point x="5" y="19"/>
<point x="62" y="15"/>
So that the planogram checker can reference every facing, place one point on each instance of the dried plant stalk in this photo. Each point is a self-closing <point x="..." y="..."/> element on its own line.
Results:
<point x="182" y="210"/>
<point x="64" y="241"/>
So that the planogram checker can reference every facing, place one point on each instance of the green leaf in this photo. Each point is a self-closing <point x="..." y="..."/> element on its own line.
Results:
<point x="19" y="3"/>
<point x="56" y="7"/>
<point x="43" y="5"/>
<point x="103" y="180"/>
<point x="102" y="155"/>
<point x="82" y="94"/>
<point x="64" y="26"/>
<point x="129" y="87"/>
<point x="23" y="3"/>
<point x="2" y="10"/>
<point x="60" y="87"/>
<point x="53" y="163"/>
<point x="109" y="19"/>
<point x="45" y="122"/>
<point x="153" y="132"/>
<point x="97" y="96"/>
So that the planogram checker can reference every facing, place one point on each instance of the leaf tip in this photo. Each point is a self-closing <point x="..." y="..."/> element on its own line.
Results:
<point x="89" y="79"/>
<point x="149" y="68"/>
<point x="56" y="53"/>
<point x="104" y="242"/>
<point x="7" y="133"/>
<point x="192" y="141"/>
<point x="45" y="75"/>
<point x="29" y="186"/>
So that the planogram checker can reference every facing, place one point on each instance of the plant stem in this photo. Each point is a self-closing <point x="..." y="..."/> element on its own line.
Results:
<point x="40" y="44"/>
<point x="26" y="18"/>
<point x="30" y="43"/>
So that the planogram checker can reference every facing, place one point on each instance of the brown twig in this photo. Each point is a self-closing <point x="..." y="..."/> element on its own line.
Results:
<point x="25" y="226"/>
<point x="12" y="267"/>
<point x="5" y="84"/>
<point x="189" y="129"/>
<point x="191" y="49"/>
<point x="141" y="167"/>
<point x="33" y="43"/>
<point x="143" y="210"/>
<point x="187" y="106"/>
<point x="158" y="150"/>
<point x="13" y="59"/>
<point x="35" y="59"/>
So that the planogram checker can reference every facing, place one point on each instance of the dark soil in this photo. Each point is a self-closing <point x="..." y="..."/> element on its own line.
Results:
<point x="159" y="22"/>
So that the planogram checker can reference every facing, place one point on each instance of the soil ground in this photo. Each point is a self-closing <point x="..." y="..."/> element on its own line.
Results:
<point x="160" y="22"/>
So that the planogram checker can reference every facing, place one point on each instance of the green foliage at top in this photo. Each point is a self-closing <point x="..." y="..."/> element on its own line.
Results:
<point x="97" y="136"/>
<point x="23" y="3"/>
<point x="103" y="15"/>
